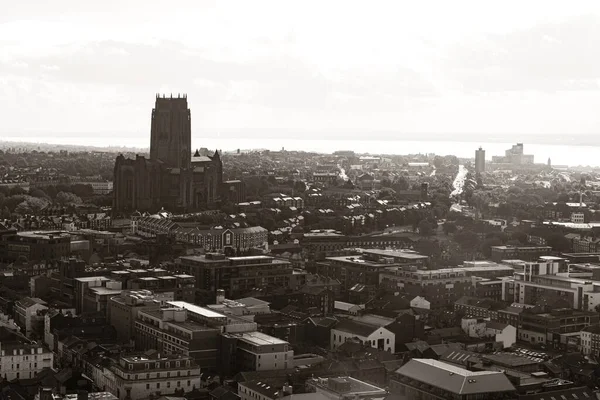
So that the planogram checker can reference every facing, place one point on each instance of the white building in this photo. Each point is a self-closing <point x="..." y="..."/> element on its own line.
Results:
<point x="590" y="340"/>
<point x="23" y="361"/>
<point x="257" y="351"/>
<point x="141" y="376"/>
<point x="577" y="217"/>
<point x="369" y="334"/>
<point x="484" y="328"/>
<point x="347" y="308"/>
<point x="29" y="314"/>
<point x="420" y="302"/>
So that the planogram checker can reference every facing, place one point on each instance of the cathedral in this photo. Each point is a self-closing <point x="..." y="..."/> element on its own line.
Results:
<point x="172" y="178"/>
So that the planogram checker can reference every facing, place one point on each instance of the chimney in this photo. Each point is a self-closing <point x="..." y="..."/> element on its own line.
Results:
<point x="46" y="393"/>
<point x="220" y="296"/>
<point x="82" y="395"/>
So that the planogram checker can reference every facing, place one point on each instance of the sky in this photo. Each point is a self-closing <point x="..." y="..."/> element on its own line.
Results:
<point x="312" y="69"/>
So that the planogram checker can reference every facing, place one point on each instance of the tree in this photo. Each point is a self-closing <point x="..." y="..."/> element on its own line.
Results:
<point x="449" y="227"/>
<point x="520" y="236"/>
<point x="23" y="208"/>
<point x="67" y="198"/>
<point x="505" y="210"/>
<point x="299" y="187"/>
<point x="558" y="242"/>
<point x="429" y="248"/>
<point x="400" y="184"/>
<point x="38" y="193"/>
<point x="486" y="245"/>
<point x="425" y="228"/>
<point x="467" y="240"/>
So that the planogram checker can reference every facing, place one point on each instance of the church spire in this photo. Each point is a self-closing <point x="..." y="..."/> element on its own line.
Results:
<point x="197" y="153"/>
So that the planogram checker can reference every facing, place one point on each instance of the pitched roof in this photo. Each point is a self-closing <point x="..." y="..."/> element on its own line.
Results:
<point x="455" y="379"/>
<point x="356" y="328"/>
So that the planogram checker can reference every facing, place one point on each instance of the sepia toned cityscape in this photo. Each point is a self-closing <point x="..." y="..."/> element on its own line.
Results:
<point x="335" y="222"/>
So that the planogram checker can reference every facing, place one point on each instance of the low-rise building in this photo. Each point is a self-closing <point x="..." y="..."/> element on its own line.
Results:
<point x="20" y="358"/>
<point x="441" y="287"/>
<point x="141" y="376"/>
<point x="590" y="340"/>
<point x="369" y="334"/>
<point x="431" y="379"/>
<point x="527" y="253"/>
<point x="29" y="315"/>
<point x="170" y="331"/>
<point x="344" y="387"/>
<point x="556" y="327"/>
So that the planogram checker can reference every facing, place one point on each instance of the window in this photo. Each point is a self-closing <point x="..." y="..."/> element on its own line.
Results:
<point x="158" y="385"/>
<point x="189" y="383"/>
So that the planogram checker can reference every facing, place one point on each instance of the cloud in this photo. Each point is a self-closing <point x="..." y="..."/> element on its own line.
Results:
<point x="550" y="57"/>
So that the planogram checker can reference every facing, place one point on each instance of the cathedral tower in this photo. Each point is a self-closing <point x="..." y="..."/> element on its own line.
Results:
<point x="170" y="132"/>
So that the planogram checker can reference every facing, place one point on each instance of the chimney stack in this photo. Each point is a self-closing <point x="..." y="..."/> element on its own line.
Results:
<point x="220" y="296"/>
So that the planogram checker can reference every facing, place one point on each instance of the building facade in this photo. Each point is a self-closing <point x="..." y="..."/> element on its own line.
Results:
<point x="235" y="275"/>
<point x="140" y="377"/>
<point x="171" y="177"/>
<point x="479" y="160"/>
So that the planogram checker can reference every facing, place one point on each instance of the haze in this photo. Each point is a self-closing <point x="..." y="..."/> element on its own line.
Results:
<point x="311" y="69"/>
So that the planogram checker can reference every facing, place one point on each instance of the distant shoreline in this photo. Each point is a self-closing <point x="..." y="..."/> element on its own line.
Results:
<point x="72" y="140"/>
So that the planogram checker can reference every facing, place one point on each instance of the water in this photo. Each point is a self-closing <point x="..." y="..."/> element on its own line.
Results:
<point x="560" y="154"/>
<point x="571" y="155"/>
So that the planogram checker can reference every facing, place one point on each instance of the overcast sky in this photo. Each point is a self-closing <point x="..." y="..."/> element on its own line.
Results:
<point x="326" y="68"/>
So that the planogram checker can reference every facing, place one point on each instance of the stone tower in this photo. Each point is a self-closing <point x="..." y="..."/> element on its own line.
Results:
<point x="171" y="132"/>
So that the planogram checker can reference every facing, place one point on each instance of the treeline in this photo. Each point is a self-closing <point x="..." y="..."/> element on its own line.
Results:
<point x="18" y="201"/>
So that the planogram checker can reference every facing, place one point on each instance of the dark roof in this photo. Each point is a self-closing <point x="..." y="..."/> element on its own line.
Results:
<point x="356" y="327"/>
<point x="459" y="356"/>
<point x="455" y="379"/>
<point x="592" y="329"/>
<point x="576" y="393"/>
<point x="314" y="290"/>
<point x="496" y="325"/>
<point x="325" y="322"/>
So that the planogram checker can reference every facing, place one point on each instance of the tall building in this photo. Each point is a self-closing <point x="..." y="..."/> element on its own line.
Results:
<point x="479" y="160"/>
<point x="171" y="178"/>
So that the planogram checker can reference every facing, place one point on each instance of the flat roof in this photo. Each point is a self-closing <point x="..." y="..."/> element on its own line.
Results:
<point x="260" y="339"/>
<point x="250" y="258"/>
<point x="205" y="312"/>
<point x="396" y="253"/>
<point x="44" y="234"/>
<point x="358" y="261"/>
<point x="102" y="291"/>
<point x="92" y="279"/>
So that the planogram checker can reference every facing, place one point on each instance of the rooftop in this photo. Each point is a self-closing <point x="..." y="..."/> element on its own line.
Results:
<point x="396" y="253"/>
<point x="260" y="339"/>
<point x="455" y="379"/>
<point x="356" y="327"/>
<point x="192" y="308"/>
<point x="355" y="386"/>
